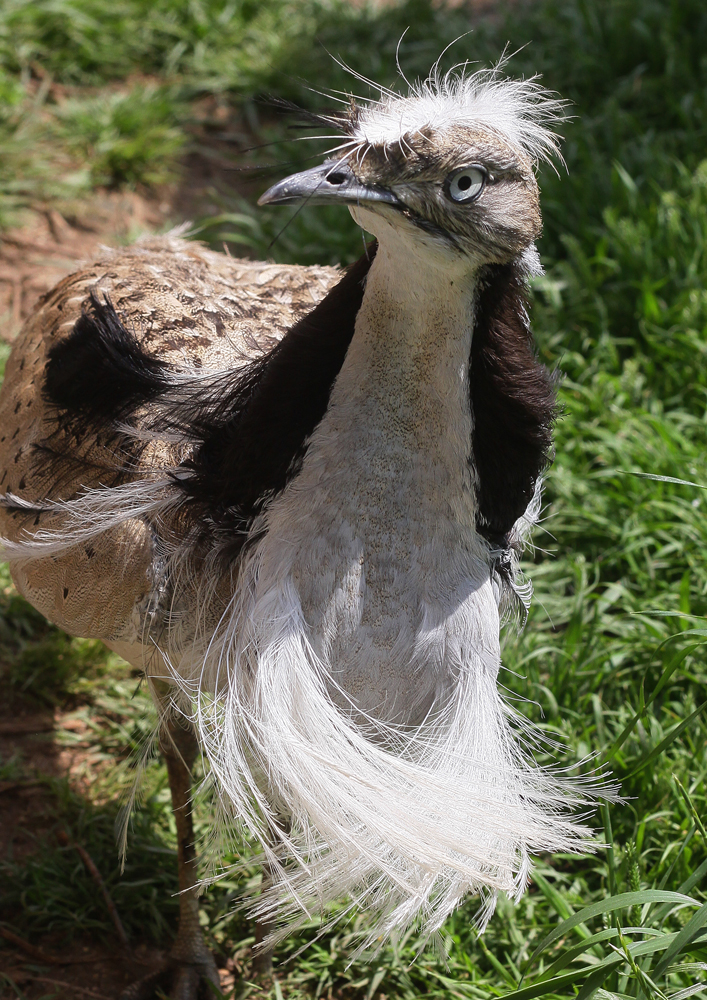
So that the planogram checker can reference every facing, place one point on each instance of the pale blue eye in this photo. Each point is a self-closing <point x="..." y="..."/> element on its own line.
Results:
<point x="466" y="184"/>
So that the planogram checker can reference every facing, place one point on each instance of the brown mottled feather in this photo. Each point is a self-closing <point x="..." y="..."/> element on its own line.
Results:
<point x="188" y="306"/>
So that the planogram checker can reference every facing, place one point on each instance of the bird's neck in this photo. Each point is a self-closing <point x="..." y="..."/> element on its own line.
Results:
<point x="376" y="535"/>
<point x="404" y="383"/>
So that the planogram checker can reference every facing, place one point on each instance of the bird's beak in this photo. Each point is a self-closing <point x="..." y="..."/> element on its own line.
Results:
<point x="331" y="181"/>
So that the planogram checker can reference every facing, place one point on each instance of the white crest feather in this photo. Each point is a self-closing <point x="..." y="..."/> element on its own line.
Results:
<point x="522" y="111"/>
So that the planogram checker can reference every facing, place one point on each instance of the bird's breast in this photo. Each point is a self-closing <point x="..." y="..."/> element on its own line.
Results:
<point x="375" y="540"/>
<point x="373" y="547"/>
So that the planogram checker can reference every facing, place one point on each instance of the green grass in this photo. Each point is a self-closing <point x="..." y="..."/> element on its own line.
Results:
<point x="612" y="658"/>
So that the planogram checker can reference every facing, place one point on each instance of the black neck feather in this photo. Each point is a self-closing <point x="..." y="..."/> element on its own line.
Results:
<point x="513" y="403"/>
<point x="256" y="444"/>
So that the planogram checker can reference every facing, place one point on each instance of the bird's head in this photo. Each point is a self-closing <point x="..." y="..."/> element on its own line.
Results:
<point x="449" y="168"/>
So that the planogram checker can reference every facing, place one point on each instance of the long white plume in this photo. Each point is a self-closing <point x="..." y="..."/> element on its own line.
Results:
<point x="90" y="514"/>
<point x="403" y="821"/>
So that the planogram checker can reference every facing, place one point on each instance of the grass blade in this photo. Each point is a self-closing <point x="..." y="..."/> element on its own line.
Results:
<point x="606" y="935"/>
<point x="664" y="479"/>
<point x="665" y="743"/>
<point x="689" y="932"/>
<point x="599" y="973"/>
<point x="609" y="905"/>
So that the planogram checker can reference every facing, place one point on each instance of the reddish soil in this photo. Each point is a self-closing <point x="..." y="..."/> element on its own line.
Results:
<point x="50" y="245"/>
<point x="55" y="240"/>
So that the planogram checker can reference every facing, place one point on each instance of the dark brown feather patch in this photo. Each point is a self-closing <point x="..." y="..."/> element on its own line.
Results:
<point x="513" y="403"/>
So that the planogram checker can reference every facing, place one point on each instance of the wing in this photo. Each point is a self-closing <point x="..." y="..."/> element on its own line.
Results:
<point x="188" y="308"/>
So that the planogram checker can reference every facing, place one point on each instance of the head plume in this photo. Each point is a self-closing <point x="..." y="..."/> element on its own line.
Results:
<point x="521" y="111"/>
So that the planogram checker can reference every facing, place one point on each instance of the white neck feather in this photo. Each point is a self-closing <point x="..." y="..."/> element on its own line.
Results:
<point x="406" y="371"/>
<point x="377" y="532"/>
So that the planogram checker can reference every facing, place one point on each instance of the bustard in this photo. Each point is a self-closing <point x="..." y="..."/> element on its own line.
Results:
<point x="295" y="498"/>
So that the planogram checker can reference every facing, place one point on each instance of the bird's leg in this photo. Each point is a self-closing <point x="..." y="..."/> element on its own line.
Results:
<point x="180" y="748"/>
<point x="190" y="964"/>
<point x="262" y="957"/>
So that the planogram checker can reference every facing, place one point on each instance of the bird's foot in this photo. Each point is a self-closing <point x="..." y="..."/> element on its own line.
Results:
<point x="262" y="965"/>
<point x="179" y="980"/>
<point x="262" y="955"/>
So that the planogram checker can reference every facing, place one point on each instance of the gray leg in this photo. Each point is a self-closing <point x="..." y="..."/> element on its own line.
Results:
<point x="180" y="748"/>
<point x="262" y="958"/>
<point x="190" y="964"/>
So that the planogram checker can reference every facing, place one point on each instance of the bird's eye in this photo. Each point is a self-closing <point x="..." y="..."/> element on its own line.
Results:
<point x="466" y="184"/>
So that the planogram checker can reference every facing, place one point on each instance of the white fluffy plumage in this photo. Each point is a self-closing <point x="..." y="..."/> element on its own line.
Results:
<point x="521" y="111"/>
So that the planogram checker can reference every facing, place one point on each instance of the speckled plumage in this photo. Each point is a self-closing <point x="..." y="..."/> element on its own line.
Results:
<point x="190" y="307"/>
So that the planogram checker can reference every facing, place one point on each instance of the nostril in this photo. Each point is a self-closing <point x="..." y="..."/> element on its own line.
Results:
<point x="336" y="178"/>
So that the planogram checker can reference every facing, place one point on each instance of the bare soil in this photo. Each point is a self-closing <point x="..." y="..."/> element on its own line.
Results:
<point x="51" y="245"/>
<point x="56" y="239"/>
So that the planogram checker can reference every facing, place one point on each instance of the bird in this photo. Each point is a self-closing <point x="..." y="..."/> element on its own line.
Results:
<point x="295" y="497"/>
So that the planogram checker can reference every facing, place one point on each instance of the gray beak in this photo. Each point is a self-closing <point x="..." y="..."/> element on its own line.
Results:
<point x="331" y="181"/>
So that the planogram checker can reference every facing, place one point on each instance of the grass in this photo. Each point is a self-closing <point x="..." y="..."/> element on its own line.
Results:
<point x="612" y="658"/>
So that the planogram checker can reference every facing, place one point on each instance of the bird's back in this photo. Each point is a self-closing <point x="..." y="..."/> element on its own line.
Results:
<point x="194" y="309"/>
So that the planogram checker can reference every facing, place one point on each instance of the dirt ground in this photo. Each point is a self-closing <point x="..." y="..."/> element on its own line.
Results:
<point x="55" y="240"/>
<point x="49" y="246"/>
